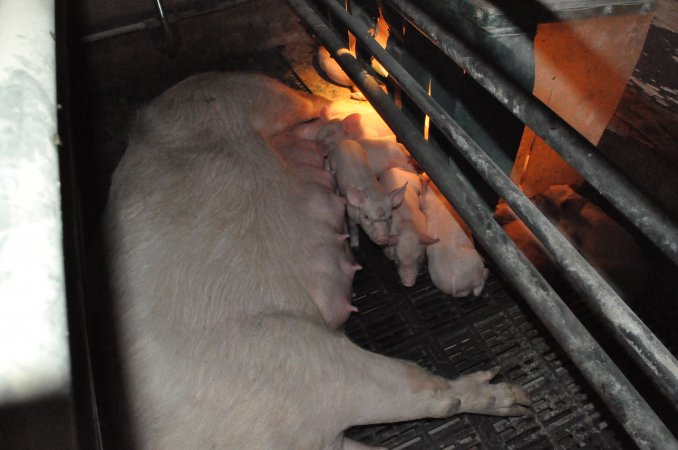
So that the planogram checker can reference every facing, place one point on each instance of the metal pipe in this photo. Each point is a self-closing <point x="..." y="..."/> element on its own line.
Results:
<point x="34" y="349"/>
<point x="153" y="22"/>
<point x="635" y="415"/>
<point x="558" y="134"/>
<point x="659" y="364"/>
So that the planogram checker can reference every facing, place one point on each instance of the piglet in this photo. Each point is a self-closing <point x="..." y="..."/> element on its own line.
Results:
<point x="367" y="204"/>
<point x="604" y="242"/>
<point x="455" y="266"/>
<point x="408" y="239"/>
<point x="383" y="150"/>
<point x="386" y="153"/>
<point x="333" y="71"/>
<point x="354" y="124"/>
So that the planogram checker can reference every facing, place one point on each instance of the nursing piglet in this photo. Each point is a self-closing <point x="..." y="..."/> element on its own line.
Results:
<point x="354" y="126"/>
<point x="222" y="346"/>
<point x="455" y="266"/>
<point x="367" y="203"/>
<point x="386" y="153"/>
<point x="408" y="241"/>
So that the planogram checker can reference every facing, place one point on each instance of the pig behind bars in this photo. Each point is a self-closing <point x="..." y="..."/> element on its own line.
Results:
<point x="386" y="153"/>
<point x="601" y="240"/>
<point x="208" y="242"/>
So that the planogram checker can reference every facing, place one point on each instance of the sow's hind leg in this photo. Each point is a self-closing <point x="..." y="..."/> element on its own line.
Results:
<point x="342" y="385"/>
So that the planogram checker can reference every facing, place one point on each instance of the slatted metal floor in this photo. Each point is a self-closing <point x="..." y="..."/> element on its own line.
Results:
<point x="452" y="337"/>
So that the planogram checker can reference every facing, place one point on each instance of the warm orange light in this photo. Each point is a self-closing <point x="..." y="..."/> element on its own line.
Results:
<point x="380" y="33"/>
<point x="427" y="119"/>
<point x="523" y="170"/>
<point x="351" y="38"/>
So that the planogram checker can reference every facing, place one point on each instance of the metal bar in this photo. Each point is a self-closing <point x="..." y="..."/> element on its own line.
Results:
<point x="113" y="32"/>
<point x="153" y="22"/>
<point x="635" y="415"/>
<point x="558" y="134"/>
<point x="169" y="32"/>
<point x="655" y="359"/>
<point x="34" y="351"/>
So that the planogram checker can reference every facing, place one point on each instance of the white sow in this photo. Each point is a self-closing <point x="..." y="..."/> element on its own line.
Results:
<point x="210" y="243"/>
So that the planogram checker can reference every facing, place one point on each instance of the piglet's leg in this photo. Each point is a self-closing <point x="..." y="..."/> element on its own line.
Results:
<point x="354" y="232"/>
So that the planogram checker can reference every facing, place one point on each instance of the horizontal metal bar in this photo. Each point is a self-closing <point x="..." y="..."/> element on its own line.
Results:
<point x="558" y="134"/>
<point x="153" y="22"/>
<point x="635" y="415"/>
<point x="652" y="356"/>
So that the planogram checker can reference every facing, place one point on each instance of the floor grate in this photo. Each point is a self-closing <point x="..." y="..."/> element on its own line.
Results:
<point x="458" y="336"/>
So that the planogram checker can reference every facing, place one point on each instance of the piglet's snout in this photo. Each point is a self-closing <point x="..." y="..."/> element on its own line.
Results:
<point x="380" y="233"/>
<point x="407" y="276"/>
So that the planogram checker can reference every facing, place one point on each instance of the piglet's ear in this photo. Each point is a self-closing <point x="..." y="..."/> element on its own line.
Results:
<point x="351" y="125"/>
<point x="425" y="239"/>
<point x="355" y="197"/>
<point x="397" y="196"/>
